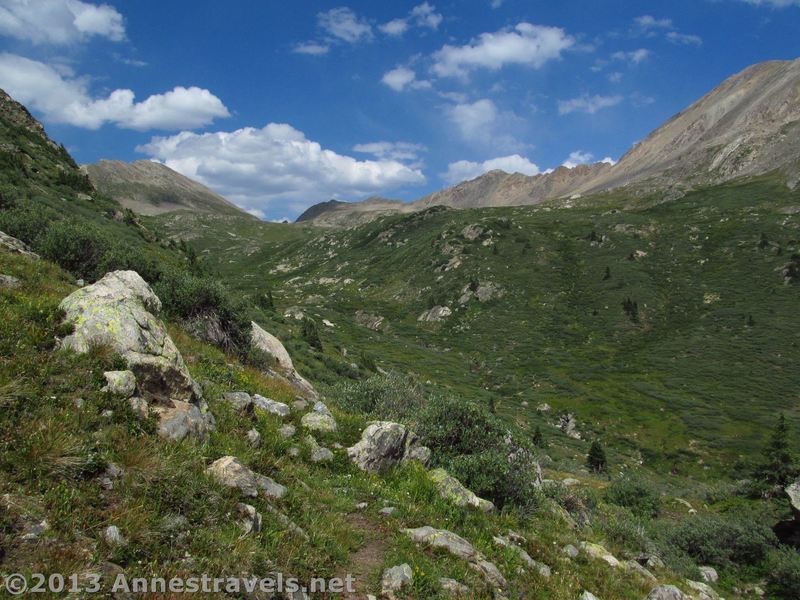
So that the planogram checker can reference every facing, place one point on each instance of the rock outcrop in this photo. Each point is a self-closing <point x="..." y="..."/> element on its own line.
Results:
<point x="435" y="314"/>
<point x="267" y="343"/>
<point x="232" y="473"/>
<point x="384" y="445"/>
<point x="453" y="490"/>
<point x="16" y="246"/>
<point x="666" y="592"/>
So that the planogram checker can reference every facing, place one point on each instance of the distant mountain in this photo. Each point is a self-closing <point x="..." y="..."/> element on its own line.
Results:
<point x="747" y="126"/>
<point x="335" y="213"/>
<point x="150" y="188"/>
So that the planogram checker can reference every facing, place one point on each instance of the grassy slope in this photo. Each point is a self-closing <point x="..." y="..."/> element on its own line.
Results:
<point x="54" y="454"/>
<point x="694" y="383"/>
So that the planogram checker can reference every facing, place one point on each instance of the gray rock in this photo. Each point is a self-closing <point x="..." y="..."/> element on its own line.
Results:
<point x="270" y="406"/>
<point x="287" y="431"/>
<point x="709" y="574"/>
<point x="570" y="551"/>
<point x="569" y="425"/>
<point x="33" y="531"/>
<point x="395" y="579"/>
<point x="600" y="553"/>
<point x="435" y="314"/>
<point x="299" y="405"/>
<point x="452" y="489"/>
<point x="183" y="419"/>
<point x="241" y="401"/>
<point x="702" y="591"/>
<point x="793" y="491"/>
<point x="323" y="423"/>
<point x="361" y="506"/>
<point x="16" y="246"/>
<point x="635" y="567"/>
<point x="318" y="453"/>
<point x="271" y="346"/>
<point x="544" y="407"/>
<point x="570" y="482"/>
<point x="232" y="473"/>
<point x="293" y="452"/>
<point x="8" y="282"/>
<point x="388" y="511"/>
<point x="113" y="536"/>
<point x="373" y="322"/>
<point x="120" y="383"/>
<point x="588" y="596"/>
<point x="139" y="406"/>
<point x="250" y="520"/>
<point x="384" y="445"/>
<point x="461" y="548"/>
<point x="453" y="588"/>
<point x="254" y="438"/>
<point x="537" y="566"/>
<point x="116" y="312"/>
<point x="666" y="592"/>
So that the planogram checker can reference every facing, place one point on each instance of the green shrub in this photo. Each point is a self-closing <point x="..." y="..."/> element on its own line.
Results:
<point x="391" y="396"/>
<point x="783" y="580"/>
<point x="25" y="223"/>
<point x="77" y="247"/>
<point x="636" y="495"/>
<point x="724" y="541"/>
<point x="452" y="427"/>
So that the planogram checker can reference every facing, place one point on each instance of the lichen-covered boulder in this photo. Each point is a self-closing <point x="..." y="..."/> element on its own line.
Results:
<point x="270" y="406"/>
<point x="453" y="490"/>
<point x="178" y="420"/>
<point x="120" y="383"/>
<point x="267" y="343"/>
<point x="600" y="553"/>
<point x="384" y="445"/>
<point x="117" y="312"/>
<point x="394" y="580"/>
<point x="232" y="473"/>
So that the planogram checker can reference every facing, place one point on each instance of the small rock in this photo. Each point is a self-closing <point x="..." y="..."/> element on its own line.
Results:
<point x="241" y="401"/>
<point x="395" y="579"/>
<point x="318" y="453"/>
<point x="597" y="551"/>
<point x="570" y="551"/>
<point x="632" y="565"/>
<point x="452" y="489"/>
<point x="570" y="482"/>
<point x="388" y="511"/>
<point x="107" y="414"/>
<point x="315" y="421"/>
<point x="287" y="431"/>
<point x="250" y="518"/>
<point x="703" y="590"/>
<point x="8" y="282"/>
<point x="361" y="506"/>
<point x="294" y="452"/>
<point x="270" y="406"/>
<point x="453" y="588"/>
<point x="709" y="574"/>
<point x="544" y="407"/>
<point x="254" y="438"/>
<point x="666" y="592"/>
<point x="33" y="531"/>
<point x="120" y="383"/>
<point x="113" y="536"/>
<point x="588" y="596"/>
<point x="139" y="406"/>
<point x="232" y="473"/>
<point x="300" y="405"/>
<point x="79" y="403"/>
<point x="540" y="568"/>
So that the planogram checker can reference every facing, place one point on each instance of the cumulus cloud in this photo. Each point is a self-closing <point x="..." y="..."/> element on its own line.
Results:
<point x="395" y="27"/>
<point x="59" y="21"/>
<point x="482" y="122"/>
<point x="774" y="3"/>
<point x="526" y="44"/>
<point x="311" y="48"/>
<point x="633" y="57"/>
<point x="400" y="151"/>
<point x="463" y="170"/>
<point x="579" y="157"/>
<point x="345" y="25"/>
<point x="67" y="100"/>
<point x="587" y="104"/>
<point x="650" y="22"/>
<point x="425" y="15"/>
<point x="400" y="78"/>
<point x="685" y="39"/>
<point x="276" y="168"/>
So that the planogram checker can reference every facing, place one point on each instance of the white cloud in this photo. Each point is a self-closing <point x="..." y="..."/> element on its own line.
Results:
<point x="400" y="151"/>
<point x="463" y="170"/>
<point x="482" y="123"/>
<point x="401" y="77"/>
<point x="67" y="100"/>
<point x="774" y="3"/>
<point x="496" y="3"/>
<point x="395" y="27"/>
<point x="686" y="39"/>
<point x="345" y="25"/>
<point x="525" y="44"/>
<point x="634" y="56"/>
<point x="609" y="161"/>
<point x="311" y="48"/>
<point x="587" y="104"/>
<point x="650" y="22"/>
<point x="615" y="77"/>
<point x="578" y="157"/>
<point x="276" y="168"/>
<point x="59" y="21"/>
<point x="425" y="15"/>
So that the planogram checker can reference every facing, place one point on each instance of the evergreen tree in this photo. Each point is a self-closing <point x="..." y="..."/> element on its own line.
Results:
<point x="596" y="459"/>
<point x="777" y="468"/>
<point x="311" y="333"/>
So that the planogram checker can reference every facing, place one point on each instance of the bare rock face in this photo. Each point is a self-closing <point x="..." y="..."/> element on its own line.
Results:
<point x="116" y="312"/>
<point x="270" y="345"/>
<point x="384" y="445"/>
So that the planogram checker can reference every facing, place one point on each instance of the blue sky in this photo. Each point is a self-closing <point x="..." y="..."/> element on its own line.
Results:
<point x="280" y="105"/>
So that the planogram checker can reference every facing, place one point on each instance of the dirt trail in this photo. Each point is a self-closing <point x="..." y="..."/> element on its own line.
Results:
<point x="368" y="558"/>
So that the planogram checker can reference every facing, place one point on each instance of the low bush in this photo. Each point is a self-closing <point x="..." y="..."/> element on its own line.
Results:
<point x="783" y="580"/>
<point x="391" y="396"/>
<point x="452" y="427"/>
<point x="636" y="495"/>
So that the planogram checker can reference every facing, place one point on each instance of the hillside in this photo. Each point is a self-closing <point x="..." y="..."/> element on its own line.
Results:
<point x="749" y="125"/>
<point x="150" y="188"/>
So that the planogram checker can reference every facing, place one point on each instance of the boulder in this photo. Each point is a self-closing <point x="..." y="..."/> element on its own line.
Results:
<point x="588" y="596"/>
<point x="635" y="567"/>
<point x="452" y="489"/>
<point x="314" y="421"/>
<point x="113" y="536"/>
<point x="254" y="438"/>
<point x="120" y="383"/>
<point x="240" y="401"/>
<point x="666" y="592"/>
<point x="453" y="588"/>
<point x="250" y="519"/>
<point x="395" y="579"/>
<point x="569" y="425"/>
<point x="16" y="246"/>
<point x="373" y="322"/>
<point x="709" y="574"/>
<point x="182" y="419"/>
<point x="318" y="453"/>
<point x="600" y="553"/>
<point x="435" y="314"/>
<point x="460" y="548"/>
<point x="117" y="312"/>
<point x="570" y="551"/>
<point x="540" y="568"/>
<point x="270" y="406"/>
<point x="384" y="445"/>
<point x="287" y="431"/>
<point x="793" y="491"/>
<point x="271" y="346"/>
<point x="702" y="591"/>
<point x="232" y="473"/>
